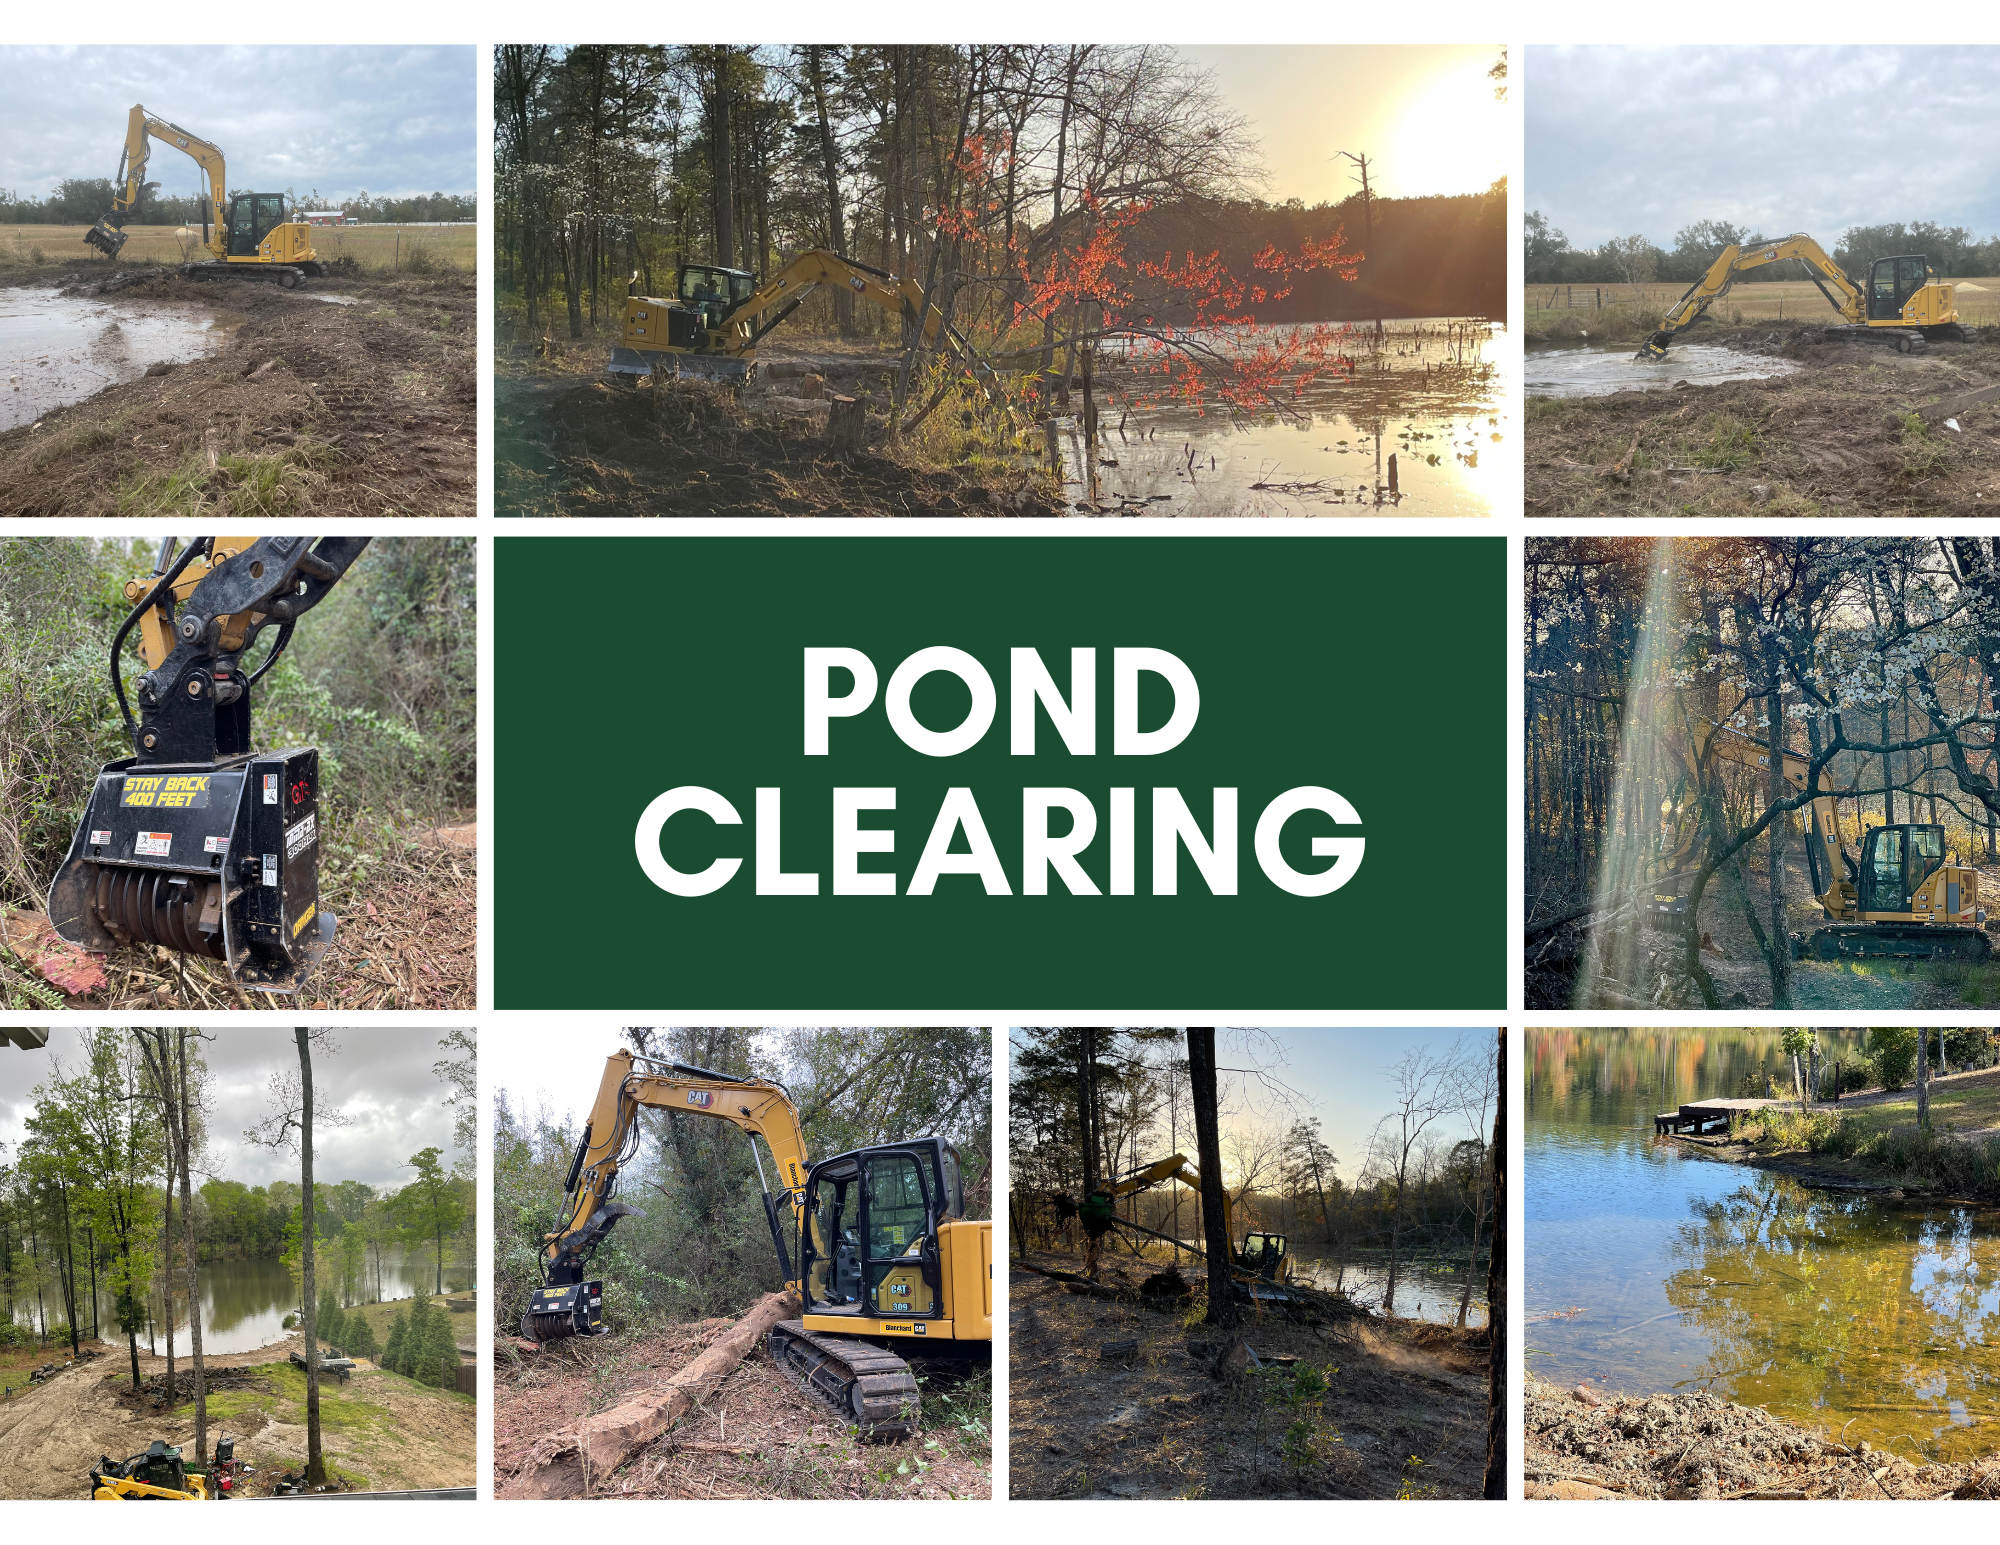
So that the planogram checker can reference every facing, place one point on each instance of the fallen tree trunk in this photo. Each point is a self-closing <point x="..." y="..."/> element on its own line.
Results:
<point x="564" y="1463"/>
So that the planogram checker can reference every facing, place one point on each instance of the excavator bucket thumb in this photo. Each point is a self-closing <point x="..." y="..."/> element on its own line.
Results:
<point x="105" y="237"/>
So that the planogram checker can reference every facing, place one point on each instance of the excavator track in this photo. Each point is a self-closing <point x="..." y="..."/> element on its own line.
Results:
<point x="1926" y="941"/>
<point x="859" y="1381"/>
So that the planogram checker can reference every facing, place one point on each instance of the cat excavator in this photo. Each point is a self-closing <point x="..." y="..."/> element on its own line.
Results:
<point x="720" y="315"/>
<point x="886" y="1262"/>
<point x="1905" y="303"/>
<point x="198" y="842"/>
<point x="1909" y="897"/>
<point x="249" y="235"/>
<point x="1262" y="1254"/>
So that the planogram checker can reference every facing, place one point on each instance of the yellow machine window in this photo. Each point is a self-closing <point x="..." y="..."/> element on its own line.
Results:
<point x="1926" y="853"/>
<point x="895" y="1205"/>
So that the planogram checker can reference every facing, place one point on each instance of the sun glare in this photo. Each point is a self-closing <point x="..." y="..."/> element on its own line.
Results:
<point x="1449" y="137"/>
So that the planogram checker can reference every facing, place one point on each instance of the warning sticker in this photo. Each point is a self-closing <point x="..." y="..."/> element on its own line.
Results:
<point x="304" y="918"/>
<point x="152" y="844"/>
<point x="98" y="839"/>
<point x="301" y="836"/>
<point x="166" y="791"/>
<point x="215" y="844"/>
<point x="270" y="869"/>
<point x="270" y="788"/>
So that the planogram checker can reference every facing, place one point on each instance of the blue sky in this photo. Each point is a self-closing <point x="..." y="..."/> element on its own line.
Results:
<point x="1624" y="140"/>
<point x="396" y="120"/>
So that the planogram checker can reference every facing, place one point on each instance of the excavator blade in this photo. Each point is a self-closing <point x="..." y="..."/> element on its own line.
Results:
<point x="705" y="367"/>
<point x="106" y="238"/>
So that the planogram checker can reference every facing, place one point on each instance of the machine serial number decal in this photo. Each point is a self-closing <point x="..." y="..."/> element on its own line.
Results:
<point x="152" y="844"/>
<point x="701" y="1097"/>
<point x="301" y="837"/>
<point x="167" y="791"/>
<point x="215" y="844"/>
<point x="304" y="918"/>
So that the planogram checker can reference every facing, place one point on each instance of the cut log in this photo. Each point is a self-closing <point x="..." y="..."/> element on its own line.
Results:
<point x="1957" y="403"/>
<point x="563" y="1463"/>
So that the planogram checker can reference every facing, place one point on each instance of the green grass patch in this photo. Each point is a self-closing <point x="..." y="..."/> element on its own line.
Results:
<point x="1721" y="440"/>
<point x="1924" y="454"/>
<point x="80" y="441"/>
<point x="282" y="480"/>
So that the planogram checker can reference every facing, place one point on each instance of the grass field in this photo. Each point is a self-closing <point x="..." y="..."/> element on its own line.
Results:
<point x="374" y="247"/>
<point x="1627" y="310"/>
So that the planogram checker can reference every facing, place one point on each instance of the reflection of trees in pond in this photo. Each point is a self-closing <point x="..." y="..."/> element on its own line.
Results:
<point x="1816" y="1303"/>
<point x="1620" y="1077"/>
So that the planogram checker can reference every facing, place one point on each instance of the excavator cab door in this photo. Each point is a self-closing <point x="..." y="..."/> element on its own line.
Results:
<point x="252" y="217"/>
<point x="1895" y="861"/>
<point x="897" y="1223"/>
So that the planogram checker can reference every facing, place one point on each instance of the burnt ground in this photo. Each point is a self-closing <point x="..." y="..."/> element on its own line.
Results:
<point x="1401" y="1411"/>
<point x="759" y="1436"/>
<point x="1833" y="438"/>
<point x="568" y="442"/>
<point x="1585" y="1445"/>
<point x="1736" y="965"/>
<point x="308" y="408"/>
<point x="406" y="939"/>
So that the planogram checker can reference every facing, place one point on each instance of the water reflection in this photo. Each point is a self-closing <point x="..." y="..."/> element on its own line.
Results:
<point x="1651" y="1269"/>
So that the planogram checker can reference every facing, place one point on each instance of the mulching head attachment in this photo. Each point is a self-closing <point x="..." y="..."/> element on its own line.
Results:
<point x="105" y="237"/>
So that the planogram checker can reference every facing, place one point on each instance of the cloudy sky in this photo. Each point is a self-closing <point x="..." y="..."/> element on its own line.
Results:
<point x="1815" y="139"/>
<point x="343" y="120"/>
<point x="1424" y="115"/>
<point x="380" y="1079"/>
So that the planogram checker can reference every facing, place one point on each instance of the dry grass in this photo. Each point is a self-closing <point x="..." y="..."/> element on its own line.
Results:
<point x="373" y="247"/>
<point x="1789" y="300"/>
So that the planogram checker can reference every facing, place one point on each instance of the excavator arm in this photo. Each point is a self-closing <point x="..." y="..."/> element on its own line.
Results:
<point x="1826" y="858"/>
<point x="108" y="235"/>
<point x="1840" y="291"/>
<point x="1180" y="1168"/>
<point x="632" y="1083"/>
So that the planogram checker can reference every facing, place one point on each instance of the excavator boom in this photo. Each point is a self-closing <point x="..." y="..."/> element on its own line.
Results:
<point x="108" y="235"/>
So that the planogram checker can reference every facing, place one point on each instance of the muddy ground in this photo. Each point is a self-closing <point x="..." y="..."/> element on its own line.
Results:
<point x="1588" y="1445"/>
<point x="381" y="1431"/>
<point x="1737" y="967"/>
<point x="568" y="442"/>
<point x="406" y="938"/>
<point x="759" y="1436"/>
<point x="309" y="407"/>
<point x="1834" y="438"/>
<point x="1403" y="1412"/>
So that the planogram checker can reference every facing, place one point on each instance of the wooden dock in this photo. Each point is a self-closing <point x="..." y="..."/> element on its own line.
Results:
<point x="1704" y="1118"/>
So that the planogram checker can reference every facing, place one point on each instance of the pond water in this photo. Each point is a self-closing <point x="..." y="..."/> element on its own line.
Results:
<point x="244" y="1303"/>
<point x="1425" y="1290"/>
<point x="1650" y="1269"/>
<point x="1597" y="370"/>
<point x="59" y="349"/>
<point x="1429" y="392"/>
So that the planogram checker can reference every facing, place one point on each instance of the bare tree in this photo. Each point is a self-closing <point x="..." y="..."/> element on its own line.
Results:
<point x="1425" y="1094"/>
<point x="1478" y="1087"/>
<point x="291" y="1112"/>
<point x="1496" y="1294"/>
<point x="1215" y="1236"/>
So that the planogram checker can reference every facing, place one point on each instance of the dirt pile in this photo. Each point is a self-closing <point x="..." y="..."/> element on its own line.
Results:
<point x="1583" y="1445"/>
<point x="1355" y="1407"/>
<point x="1840" y="436"/>
<point x="310" y="407"/>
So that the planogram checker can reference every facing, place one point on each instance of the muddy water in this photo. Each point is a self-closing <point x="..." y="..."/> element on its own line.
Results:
<point x="1597" y="370"/>
<point x="1424" y="394"/>
<point x="1424" y="1290"/>
<point x="244" y="1303"/>
<point x="1648" y="1269"/>
<point x="59" y="349"/>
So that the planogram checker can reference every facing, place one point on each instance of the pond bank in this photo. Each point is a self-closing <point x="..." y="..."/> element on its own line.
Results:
<point x="1587" y="1445"/>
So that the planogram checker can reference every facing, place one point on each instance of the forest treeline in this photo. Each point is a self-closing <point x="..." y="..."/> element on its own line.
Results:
<point x="995" y="175"/>
<point x="1875" y="657"/>
<point x="84" y="200"/>
<point x="1421" y="1189"/>
<point x="92" y="1205"/>
<point x="380" y="677"/>
<point x="703" y="1247"/>
<point x="1550" y="259"/>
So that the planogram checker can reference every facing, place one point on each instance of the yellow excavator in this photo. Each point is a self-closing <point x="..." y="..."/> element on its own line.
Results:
<point x="1909" y="897"/>
<point x="1262" y="1254"/>
<point x="887" y="1261"/>
<point x="1905" y="303"/>
<point x="250" y="234"/>
<point x="720" y="314"/>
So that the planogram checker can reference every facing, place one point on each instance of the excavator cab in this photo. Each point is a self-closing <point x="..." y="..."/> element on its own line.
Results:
<point x="711" y="293"/>
<point x="1265" y="1254"/>
<point x="1895" y="862"/>
<point x="869" y="1241"/>
<point x="1891" y="283"/>
<point x="252" y="217"/>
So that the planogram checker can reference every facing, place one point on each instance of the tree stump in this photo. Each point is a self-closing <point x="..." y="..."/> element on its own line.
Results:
<point x="845" y="423"/>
